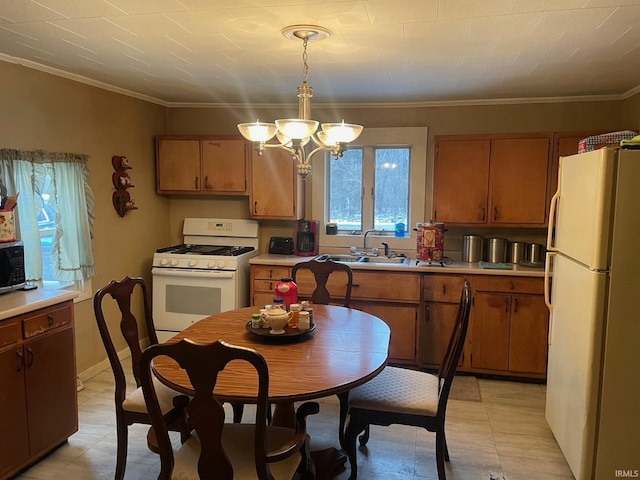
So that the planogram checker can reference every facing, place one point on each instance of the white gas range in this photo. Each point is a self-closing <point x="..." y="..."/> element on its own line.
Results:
<point x="207" y="274"/>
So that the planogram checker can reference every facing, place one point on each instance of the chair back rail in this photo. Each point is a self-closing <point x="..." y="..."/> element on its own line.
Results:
<point x="321" y="271"/>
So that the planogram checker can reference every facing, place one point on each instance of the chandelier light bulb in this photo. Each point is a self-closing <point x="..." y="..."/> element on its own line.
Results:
<point x="258" y="131"/>
<point x="296" y="128"/>
<point x="341" y="132"/>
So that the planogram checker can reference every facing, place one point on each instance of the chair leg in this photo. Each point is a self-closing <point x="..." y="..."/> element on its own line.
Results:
<point x="121" y="455"/>
<point x="238" y="410"/>
<point x="446" y="450"/>
<point x="440" y="454"/>
<point x="344" y="409"/>
<point x="364" y="438"/>
<point x="350" y="435"/>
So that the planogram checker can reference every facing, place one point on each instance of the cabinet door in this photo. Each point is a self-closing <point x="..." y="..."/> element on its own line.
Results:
<point x="391" y="286"/>
<point x="178" y="165"/>
<point x="439" y="320"/>
<point x="14" y="440"/>
<point x="402" y="320"/>
<point x="490" y="331"/>
<point x="224" y="166"/>
<point x="518" y="181"/>
<point x="51" y="389"/>
<point x="528" y="338"/>
<point x="461" y="181"/>
<point x="276" y="188"/>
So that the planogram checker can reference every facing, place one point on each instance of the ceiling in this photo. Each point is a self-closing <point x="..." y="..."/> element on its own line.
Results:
<point x="222" y="52"/>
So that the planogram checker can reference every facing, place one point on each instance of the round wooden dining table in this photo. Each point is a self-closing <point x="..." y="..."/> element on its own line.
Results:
<point x="347" y="348"/>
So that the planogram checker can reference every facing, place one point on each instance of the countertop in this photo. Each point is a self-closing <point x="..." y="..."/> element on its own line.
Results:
<point x="413" y="266"/>
<point x="19" y="302"/>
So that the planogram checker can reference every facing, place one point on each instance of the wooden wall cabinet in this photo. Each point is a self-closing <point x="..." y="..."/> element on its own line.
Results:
<point x="202" y="165"/>
<point x="441" y="295"/>
<point x="38" y="403"/>
<point x="509" y="326"/>
<point x="492" y="180"/>
<point x="277" y="191"/>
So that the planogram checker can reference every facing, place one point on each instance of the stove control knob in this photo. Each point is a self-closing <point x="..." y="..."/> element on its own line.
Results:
<point x="192" y="263"/>
<point x="174" y="262"/>
<point x="220" y="265"/>
<point x="211" y="264"/>
<point x="164" y="261"/>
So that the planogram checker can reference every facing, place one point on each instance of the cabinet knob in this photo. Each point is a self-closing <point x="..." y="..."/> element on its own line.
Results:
<point x="506" y="304"/>
<point x="196" y="183"/>
<point x="484" y="214"/>
<point x="515" y="305"/>
<point x="444" y="289"/>
<point x="495" y="213"/>
<point x="50" y="320"/>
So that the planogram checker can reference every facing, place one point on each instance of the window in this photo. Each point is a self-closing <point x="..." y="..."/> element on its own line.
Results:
<point x="388" y="186"/>
<point x="376" y="183"/>
<point x="55" y="211"/>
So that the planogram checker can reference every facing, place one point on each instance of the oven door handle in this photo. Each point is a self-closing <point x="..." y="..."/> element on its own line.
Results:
<point x="192" y="273"/>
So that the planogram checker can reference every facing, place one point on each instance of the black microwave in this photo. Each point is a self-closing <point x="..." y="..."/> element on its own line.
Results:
<point x="11" y="266"/>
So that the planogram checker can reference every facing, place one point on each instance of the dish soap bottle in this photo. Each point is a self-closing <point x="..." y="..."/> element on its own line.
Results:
<point x="399" y="227"/>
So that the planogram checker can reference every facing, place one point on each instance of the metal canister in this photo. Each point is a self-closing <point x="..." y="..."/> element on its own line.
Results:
<point x="430" y="241"/>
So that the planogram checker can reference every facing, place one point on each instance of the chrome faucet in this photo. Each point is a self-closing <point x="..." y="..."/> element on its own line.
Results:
<point x="367" y="232"/>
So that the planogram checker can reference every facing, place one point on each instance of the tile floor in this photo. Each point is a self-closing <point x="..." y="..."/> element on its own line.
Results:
<point x="503" y="437"/>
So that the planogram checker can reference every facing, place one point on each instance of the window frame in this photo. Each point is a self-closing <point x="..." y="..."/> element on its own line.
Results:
<point x="413" y="137"/>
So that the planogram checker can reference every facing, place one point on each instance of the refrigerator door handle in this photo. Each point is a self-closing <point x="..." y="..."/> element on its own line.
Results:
<point x="552" y="212"/>
<point x="547" y="289"/>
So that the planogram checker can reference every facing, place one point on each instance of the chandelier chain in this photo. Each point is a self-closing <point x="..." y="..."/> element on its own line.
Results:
<point x="305" y="68"/>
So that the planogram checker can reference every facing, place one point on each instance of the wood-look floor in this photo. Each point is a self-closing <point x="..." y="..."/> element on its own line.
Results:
<point x="503" y="437"/>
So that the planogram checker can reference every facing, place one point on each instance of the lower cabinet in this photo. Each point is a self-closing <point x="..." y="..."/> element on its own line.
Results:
<point x="392" y="296"/>
<point x="509" y="327"/>
<point x="38" y="401"/>
<point x="403" y="322"/>
<point x="263" y="282"/>
<point x="441" y="294"/>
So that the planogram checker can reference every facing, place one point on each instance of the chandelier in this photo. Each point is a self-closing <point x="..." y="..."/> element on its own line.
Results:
<point x="294" y="134"/>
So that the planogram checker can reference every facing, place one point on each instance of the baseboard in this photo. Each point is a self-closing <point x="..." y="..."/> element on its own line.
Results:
<point x="104" y="364"/>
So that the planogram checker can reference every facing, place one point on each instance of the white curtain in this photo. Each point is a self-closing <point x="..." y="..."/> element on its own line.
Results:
<point x="70" y="198"/>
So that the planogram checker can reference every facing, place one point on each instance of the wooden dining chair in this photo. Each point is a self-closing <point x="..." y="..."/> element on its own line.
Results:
<point x="321" y="271"/>
<point x="131" y="408"/>
<point x="409" y="397"/>
<point x="217" y="449"/>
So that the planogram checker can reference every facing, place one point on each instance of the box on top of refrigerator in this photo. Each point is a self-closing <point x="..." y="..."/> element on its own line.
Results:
<point x="604" y="140"/>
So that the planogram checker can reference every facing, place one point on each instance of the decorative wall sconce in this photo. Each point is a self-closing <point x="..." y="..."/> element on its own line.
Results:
<point x="121" y="199"/>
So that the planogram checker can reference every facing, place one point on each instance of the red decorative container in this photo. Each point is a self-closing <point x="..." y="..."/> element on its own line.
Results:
<point x="288" y="290"/>
<point x="430" y="242"/>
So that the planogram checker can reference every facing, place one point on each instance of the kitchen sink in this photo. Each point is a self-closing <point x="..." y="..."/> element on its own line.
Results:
<point x="346" y="258"/>
<point x="394" y="260"/>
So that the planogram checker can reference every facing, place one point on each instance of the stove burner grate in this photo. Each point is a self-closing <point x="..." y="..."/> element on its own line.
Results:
<point x="220" y="250"/>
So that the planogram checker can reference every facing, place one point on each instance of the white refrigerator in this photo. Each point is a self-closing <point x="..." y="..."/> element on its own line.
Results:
<point x="592" y="289"/>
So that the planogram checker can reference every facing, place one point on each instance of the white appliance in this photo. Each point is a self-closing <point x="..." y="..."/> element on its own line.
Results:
<point x="207" y="274"/>
<point x="592" y="277"/>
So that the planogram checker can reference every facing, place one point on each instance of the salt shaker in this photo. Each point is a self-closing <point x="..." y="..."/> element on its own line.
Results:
<point x="304" y="322"/>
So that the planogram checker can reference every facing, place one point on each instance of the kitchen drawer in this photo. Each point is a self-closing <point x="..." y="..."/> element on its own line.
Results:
<point x="508" y="284"/>
<point x="45" y="320"/>
<point x="265" y="285"/>
<point x="10" y="333"/>
<point x="442" y="288"/>
<point x="386" y="286"/>
<point x="269" y="272"/>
